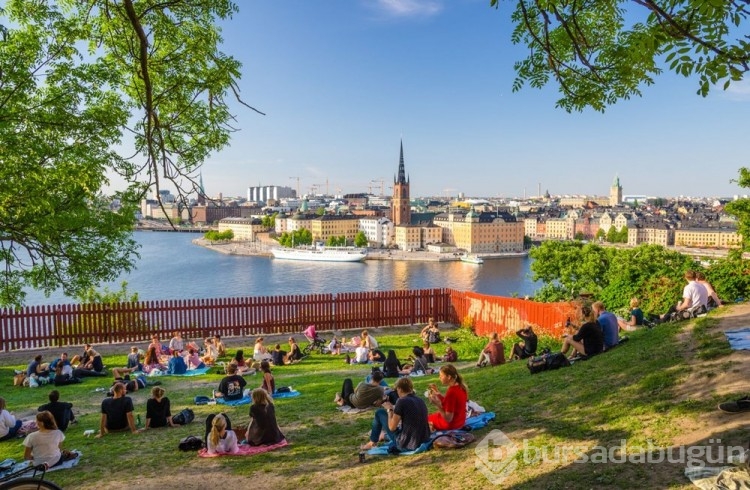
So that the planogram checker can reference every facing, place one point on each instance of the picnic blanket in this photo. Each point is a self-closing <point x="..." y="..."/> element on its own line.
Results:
<point x="245" y="450"/>
<point x="25" y="464"/>
<point x="472" y="423"/>
<point x="246" y="400"/>
<point x="189" y="372"/>
<point x="721" y="478"/>
<point x="739" y="339"/>
<point x="67" y="464"/>
<point x="351" y="410"/>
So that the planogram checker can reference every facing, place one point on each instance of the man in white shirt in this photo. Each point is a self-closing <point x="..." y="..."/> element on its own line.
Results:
<point x="694" y="297"/>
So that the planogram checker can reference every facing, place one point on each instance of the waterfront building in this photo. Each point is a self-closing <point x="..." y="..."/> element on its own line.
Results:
<point x="211" y="213"/>
<point x="262" y="194"/>
<point x="654" y="232"/>
<point x="707" y="237"/>
<point x="244" y="229"/>
<point x="408" y="237"/>
<point x="379" y="231"/>
<point x="332" y="225"/>
<point x="481" y="232"/>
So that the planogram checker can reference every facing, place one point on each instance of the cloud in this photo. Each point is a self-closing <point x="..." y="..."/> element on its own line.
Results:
<point x="409" y="8"/>
<point x="738" y="91"/>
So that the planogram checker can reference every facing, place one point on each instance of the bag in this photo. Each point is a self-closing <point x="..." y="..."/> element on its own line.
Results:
<point x="190" y="443"/>
<point x="201" y="400"/>
<point x="453" y="440"/>
<point x="184" y="417"/>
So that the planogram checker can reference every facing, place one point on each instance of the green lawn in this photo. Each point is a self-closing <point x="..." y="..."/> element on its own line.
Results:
<point x="623" y="394"/>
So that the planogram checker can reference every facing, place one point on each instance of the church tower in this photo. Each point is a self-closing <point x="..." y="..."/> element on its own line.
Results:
<point x="615" y="193"/>
<point x="400" y="204"/>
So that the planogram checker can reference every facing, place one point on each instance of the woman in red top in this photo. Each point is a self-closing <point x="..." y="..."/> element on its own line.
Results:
<point x="451" y="412"/>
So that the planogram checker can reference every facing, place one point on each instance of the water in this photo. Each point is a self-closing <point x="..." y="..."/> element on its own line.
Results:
<point x="171" y="267"/>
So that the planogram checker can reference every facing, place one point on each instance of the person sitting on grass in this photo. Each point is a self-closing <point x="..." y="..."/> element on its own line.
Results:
<point x="260" y="353"/>
<point x="419" y="365"/>
<point x="44" y="447"/>
<point x="588" y="340"/>
<point x="36" y="369"/>
<point x="278" y="356"/>
<point x="334" y="346"/>
<point x="221" y="349"/>
<point x="263" y="428"/>
<point x="239" y="361"/>
<point x="194" y="360"/>
<point x="211" y="353"/>
<point x="713" y="300"/>
<point x="9" y="426"/>
<point x="134" y="360"/>
<point x="493" y="353"/>
<point x="450" y="355"/>
<point x="158" y="410"/>
<point x="176" y="364"/>
<point x="221" y="440"/>
<point x="295" y="353"/>
<point x="391" y="366"/>
<point x="93" y="366"/>
<point x="176" y="344"/>
<point x="376" y="355"/>
<point x="608" y="323"/>
<point x="365" y="395"/>
<point x="405" y="422"/>
<point x="451" y="407"/>
<point x="429" y="352"/>
<point x="232" y="385"/>
<point x="117" y="412"/>
<point x="527" y="347"/>
<point x="361" y="355"/>
<point x="430" y="333"/>
<point x="152" y="362"/>
<point x="269" y="382"/>
<point x="64" y="375"/>
<point x="368" y="340"/>
<point x="636" y="317"/>
<point x="61" y="411"/>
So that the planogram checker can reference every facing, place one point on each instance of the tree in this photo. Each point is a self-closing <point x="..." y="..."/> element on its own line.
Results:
<point x="269" y="221"/>
<point x="740" y="209"/>
<point x="599" y="234"/>
<point x="580" y="236"/>
<point x="76" y="78"/>
<point x="600" y="52"/>
<point x="612" y="235"/>
<point x="360" y="239"/>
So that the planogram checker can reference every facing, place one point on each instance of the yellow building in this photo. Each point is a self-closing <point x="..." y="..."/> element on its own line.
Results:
<point x="331" y="225"/>
<point x="707" y="237"/>
<point x="653" y="235"/>
<point x="408" y="237"/>
<point x="482" y="232"/>
<point x="244" y="229"/>
<point x="560" y="228"/>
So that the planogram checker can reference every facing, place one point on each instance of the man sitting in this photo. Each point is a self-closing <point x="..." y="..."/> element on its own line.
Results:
<point x="364" y="395"/>
<point x="608" y="323"/>
<point x="231" y="386"/>
<point x="493" y="354"/>
<point x="117" y="412"/>
<point x="61" y="411"/>
<point x="694" y="298"/>
<point x="527" y="348"/>
<point x="176" y="364"/>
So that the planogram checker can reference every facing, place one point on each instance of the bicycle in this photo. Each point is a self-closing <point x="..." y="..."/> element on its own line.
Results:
<point x="15" y="481"/>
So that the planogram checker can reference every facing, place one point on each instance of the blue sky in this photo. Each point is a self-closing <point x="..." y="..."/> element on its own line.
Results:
<point x="342" y="81"/>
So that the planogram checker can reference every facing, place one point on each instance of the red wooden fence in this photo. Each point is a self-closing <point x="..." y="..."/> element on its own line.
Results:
<point x="55" y="326"/>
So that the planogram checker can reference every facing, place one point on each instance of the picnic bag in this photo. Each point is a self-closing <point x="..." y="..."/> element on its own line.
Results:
<point x="453" y="440"/>
<point x="184" y="417"/>
<point x="190" y="443"/>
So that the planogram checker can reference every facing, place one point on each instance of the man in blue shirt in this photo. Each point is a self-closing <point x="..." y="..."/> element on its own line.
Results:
<point x="608" y="322"/>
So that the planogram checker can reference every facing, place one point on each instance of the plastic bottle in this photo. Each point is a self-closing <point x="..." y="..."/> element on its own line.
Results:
<point x="138" y="422"/>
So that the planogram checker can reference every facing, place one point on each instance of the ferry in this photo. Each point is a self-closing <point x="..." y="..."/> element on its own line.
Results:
<point x="321" y="254"/>
<point x="472" y="259"/>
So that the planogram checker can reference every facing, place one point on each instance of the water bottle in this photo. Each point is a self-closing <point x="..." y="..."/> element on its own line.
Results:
<point x="138" y="421"/>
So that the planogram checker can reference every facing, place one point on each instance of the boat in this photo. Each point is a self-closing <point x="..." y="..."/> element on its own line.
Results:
<point x="321" y="254"/>
<point x="472" y="259"/>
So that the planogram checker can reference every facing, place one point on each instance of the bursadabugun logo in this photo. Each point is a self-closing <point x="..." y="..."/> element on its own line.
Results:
<point x="496" y="456"/>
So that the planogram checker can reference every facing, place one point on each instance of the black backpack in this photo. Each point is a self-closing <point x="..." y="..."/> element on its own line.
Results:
<point x="190" y="443"/>
<point x="184" y="417"/>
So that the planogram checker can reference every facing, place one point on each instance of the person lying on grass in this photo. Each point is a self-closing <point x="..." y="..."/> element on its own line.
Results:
<point x="405" y="422"/>
<point x="451" y="407"/>
<point x="365" y="395"/>
<point x="263" y="428"/>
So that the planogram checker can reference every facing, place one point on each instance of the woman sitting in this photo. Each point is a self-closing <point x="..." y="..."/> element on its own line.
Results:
<point x="45" y="445"/>
<point x="268" y="383"/>
<point x="376" y="355"/>
<point x="158" y="411"/>
<point x="176" y="364"/>
<point x="368" y="340"/>
<point x="451" y="412"/>
<point x="429" y="352"/>
<point x="64" y="376"/>
<point x="193" y="360"/>
<point x="493" y="354"/>
<point x="9" y="426"/>
<point x="239" y="361"/>
<point x="392" y="366"/>
<point x="295" y="354"/>
<point x="334" y="346"/>
<point x="134" y="359"/>
<point x="420" y="364"/>
<point x="92" y="366"/>
<point x="636" y="317"/>
<point x="405" y="423"/>
<point x="211" y="352"/>
<point x="263" y="428"/>
<point x="430" y="333"/>
<point x="152" y="362"/>
<point x="260" y="353"/>
<point x="221" y="440"/>
<point x="450" y="355"/>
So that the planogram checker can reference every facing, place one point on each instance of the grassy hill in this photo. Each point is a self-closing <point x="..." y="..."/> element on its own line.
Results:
<point x="660" y="388"/>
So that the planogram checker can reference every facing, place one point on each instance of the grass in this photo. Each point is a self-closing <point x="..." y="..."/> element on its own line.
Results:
<point x="624" y="394"/>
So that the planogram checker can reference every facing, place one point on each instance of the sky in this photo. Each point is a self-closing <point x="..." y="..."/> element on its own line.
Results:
<point x="342" y="82"/>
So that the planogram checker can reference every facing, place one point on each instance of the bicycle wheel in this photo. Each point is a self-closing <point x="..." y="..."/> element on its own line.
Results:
<point x="307" y="350"/>
<point x="29" y="483"/>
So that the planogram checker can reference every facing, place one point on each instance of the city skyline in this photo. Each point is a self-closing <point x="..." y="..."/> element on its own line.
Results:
<point x="342" y="82"/>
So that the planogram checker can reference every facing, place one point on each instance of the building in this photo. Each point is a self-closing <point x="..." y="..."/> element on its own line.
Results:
<point x="707" y="237"/>
<point x="332" y="225"/>
<point x="244" y="229"/>
<point x="481" y="232"/>
<point x="408" y="237"/>
<point x="615" y="193"/>
<point x="262" y="194"/>
<point x="400" y="204"/>
<point x="379" y="231"/>
<point x="653" y="233"/>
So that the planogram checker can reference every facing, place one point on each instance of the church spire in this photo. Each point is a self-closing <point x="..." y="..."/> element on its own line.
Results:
<point x="401" y="172"/>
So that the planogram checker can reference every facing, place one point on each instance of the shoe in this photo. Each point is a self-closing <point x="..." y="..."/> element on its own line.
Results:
<point x="741" y="405"/>
<point x="337" y="398"/>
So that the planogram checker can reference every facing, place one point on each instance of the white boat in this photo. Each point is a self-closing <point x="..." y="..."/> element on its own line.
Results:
<point x="472" y="259"/>
<point x="321" y="254"/>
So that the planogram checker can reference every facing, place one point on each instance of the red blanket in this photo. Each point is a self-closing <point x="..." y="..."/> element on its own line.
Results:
<point x="245" y="450"/>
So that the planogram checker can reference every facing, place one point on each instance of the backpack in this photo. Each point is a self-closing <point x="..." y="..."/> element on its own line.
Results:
<point x="184" y="417"/>
<point x="453" y="440"/>
<point x="190" y="443"/>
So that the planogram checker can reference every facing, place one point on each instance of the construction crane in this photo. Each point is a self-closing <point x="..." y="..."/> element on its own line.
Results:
<point x="297" y="179"/>
<point x="382" y="186"/>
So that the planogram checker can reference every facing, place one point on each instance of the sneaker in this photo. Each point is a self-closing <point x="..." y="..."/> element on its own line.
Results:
<point x="741" y="405"/>
<point x="337" y="398"/>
